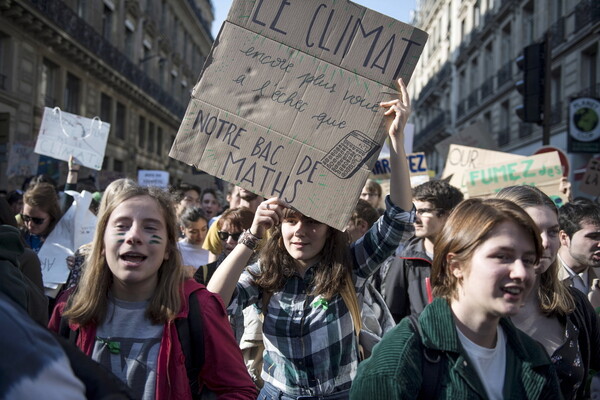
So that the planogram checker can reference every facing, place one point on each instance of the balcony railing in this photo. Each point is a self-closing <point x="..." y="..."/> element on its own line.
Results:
<point x="461" y="109"/>
<point x="592" y="91"/>
<point x="472" y="99"/>
<point x="504" y="137"/>
<point x="505" y="73"/>
<point x="487" y="88"/>
<point x="586" y="12"/>
<point x="66" y="19"/>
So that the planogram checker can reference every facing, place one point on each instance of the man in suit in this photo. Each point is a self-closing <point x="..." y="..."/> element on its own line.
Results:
<point x="579" y="253"/>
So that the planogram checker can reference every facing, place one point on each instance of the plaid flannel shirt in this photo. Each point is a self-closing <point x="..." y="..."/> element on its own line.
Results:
<point x="312" y="350"/>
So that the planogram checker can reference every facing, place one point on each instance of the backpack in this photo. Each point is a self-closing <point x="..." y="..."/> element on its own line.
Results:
<point x="190" y="333"/>
<point x="431" y="367"/>
<point x="370" y="315"/>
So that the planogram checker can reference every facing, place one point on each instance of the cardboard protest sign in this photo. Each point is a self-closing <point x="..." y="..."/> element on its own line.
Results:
<point x="288" y="102"/>
<point x="74" y="229"/>
<point x="590" y="183"/>
<point x="462" y="158"/>
<point x="63" y="134"/>
<point x="542" y="170"/>
<point x="153" y="178"/>
<point x="22" y="161"/>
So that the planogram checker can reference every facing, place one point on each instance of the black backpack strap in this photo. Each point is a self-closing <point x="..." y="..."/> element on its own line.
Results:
<point x="431" y="367"/>
<point x="191" y="336"/>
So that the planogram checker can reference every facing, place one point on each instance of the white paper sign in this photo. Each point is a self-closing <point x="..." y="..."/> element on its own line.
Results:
<point x="63" y="134"/>
<point x="21" y="160"/>
<point x="74" y="229"/>
<point x="153" y="178"/>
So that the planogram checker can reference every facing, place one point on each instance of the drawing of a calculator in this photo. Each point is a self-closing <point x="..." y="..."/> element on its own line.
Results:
<point x="346" y="157"/>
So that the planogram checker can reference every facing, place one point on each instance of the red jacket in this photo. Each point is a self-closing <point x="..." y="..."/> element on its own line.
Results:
<point x="223" y="371"/>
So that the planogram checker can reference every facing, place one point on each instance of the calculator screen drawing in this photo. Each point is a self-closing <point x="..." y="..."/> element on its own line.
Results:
<point x="346" y="157"/>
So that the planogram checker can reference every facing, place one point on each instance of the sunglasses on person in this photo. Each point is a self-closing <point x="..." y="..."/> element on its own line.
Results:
<point x="224" y="235"/>
<point x="35" y="220"/>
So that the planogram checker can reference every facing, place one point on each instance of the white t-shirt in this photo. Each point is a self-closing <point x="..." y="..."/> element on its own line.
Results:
<point x="490" y="364"/>
<point x="192" y="254"/>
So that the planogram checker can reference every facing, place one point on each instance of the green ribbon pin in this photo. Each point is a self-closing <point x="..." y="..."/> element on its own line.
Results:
<point x="321" y="302"/>
<point x="113" y="347"/>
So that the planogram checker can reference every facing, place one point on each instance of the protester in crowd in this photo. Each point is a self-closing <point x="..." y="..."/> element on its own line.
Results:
<point x="372" y="192"/>
<point x="194" y="225"/>
<point x="186" y="195"/>
<point x="404" y="280"/>
<point x="210" y="203"/>
<point x="363" y="217"/>
<point x="562" y="320"/>
<point x="246" y="325"/>
<point x="29" y="263"/>
<point x="76" y="262"/>
<point x="579" y="253"/>
<point x="462" y="345"/>
<point x="131" y="294"/>
<point x="41" y="213"/>
<point x="240" y="198"/>
<point x="15" y="201"/>
<point x="310" y="345"/>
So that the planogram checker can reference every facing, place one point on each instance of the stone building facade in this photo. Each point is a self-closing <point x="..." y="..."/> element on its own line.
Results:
<point x="132" y="63"/>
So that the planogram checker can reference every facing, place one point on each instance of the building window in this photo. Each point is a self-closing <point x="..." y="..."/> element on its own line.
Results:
<point x="476" y="15"/>
<point x="151" y="138"/>
<point x="72" y="88"/>
<point x="48" y="81"/>
<point x="175" y="31"/>
<point x="107" y="21"/>
<point x="105" y="108"/>
<point x="141" y="132"/>
<point x="589" y="70"/>
<point x="81" y="8"/>
<point x="118" y="165"/>
<point x="120" y="121"/>
<point x="528" y="23"/>
<point x="129" y="38"/>
<point x="159" y="139"/>
<point x="506" y="50"/>
<point x="504" y="133"/>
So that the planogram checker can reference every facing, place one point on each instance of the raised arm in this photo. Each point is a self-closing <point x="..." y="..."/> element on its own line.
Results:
<point x="399" y="109"/>
<point x="224" y="281"/>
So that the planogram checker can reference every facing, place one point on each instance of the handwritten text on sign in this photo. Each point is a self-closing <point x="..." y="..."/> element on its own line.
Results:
<point x="281" y="112"/>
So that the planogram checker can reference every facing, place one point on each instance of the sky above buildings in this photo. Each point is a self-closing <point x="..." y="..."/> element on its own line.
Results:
<point x="400" y="10"/>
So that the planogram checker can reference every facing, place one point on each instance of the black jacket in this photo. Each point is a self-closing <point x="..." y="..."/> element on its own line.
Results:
<point x="403" y="280"/>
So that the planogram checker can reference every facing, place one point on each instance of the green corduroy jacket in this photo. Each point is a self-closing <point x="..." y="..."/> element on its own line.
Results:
<point x="394" y="369"/>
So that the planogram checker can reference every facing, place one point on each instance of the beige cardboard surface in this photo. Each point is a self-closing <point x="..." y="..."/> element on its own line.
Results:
<point x="280" y="112"/>
<point x="543" y="171"/>
<point x="590" y="183"/>
<point x="462" y="158"/>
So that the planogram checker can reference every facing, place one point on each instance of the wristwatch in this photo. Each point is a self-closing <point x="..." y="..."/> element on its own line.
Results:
<point x="249" y="240"/>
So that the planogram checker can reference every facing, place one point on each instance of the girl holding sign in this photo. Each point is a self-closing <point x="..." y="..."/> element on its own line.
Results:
<point x="310" y="344"/>
<point x="128" y="307"/>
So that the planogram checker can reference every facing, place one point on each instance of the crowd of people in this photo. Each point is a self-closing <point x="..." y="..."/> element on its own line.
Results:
<point x="177" y="297"/>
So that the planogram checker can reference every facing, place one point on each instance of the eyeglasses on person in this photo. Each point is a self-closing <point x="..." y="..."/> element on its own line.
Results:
<point x="35" y="220"/>
<point x="224" y="235"/>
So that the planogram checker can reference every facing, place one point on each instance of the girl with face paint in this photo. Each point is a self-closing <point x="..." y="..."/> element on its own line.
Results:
<point x="132" y="291"/>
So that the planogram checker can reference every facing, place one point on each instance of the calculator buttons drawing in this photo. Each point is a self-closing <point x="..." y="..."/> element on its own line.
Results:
<point x="346" y="157"/>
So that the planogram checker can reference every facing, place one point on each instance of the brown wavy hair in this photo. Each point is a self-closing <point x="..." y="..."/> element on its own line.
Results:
<point x="88" y="305"/>
<point x="43" y="196"/>
<point x="467" y="227"/>
<point x="277" y="265"/>
<point x="553" y="295"/>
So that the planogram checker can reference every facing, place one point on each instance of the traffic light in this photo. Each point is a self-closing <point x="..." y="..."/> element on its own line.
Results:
<point x="531" y="87"/>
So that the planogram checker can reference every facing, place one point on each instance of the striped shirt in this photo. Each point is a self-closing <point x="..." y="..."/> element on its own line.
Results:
<point x="312" y="350"/>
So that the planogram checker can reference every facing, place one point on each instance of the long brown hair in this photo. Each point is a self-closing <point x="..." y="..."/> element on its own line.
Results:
<point x="43" y="196"/>
<point x="467" y="227"/>
<point x="89" y="303"/>
<point x="553" y="295"/>
<point x="277" y="265"/>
